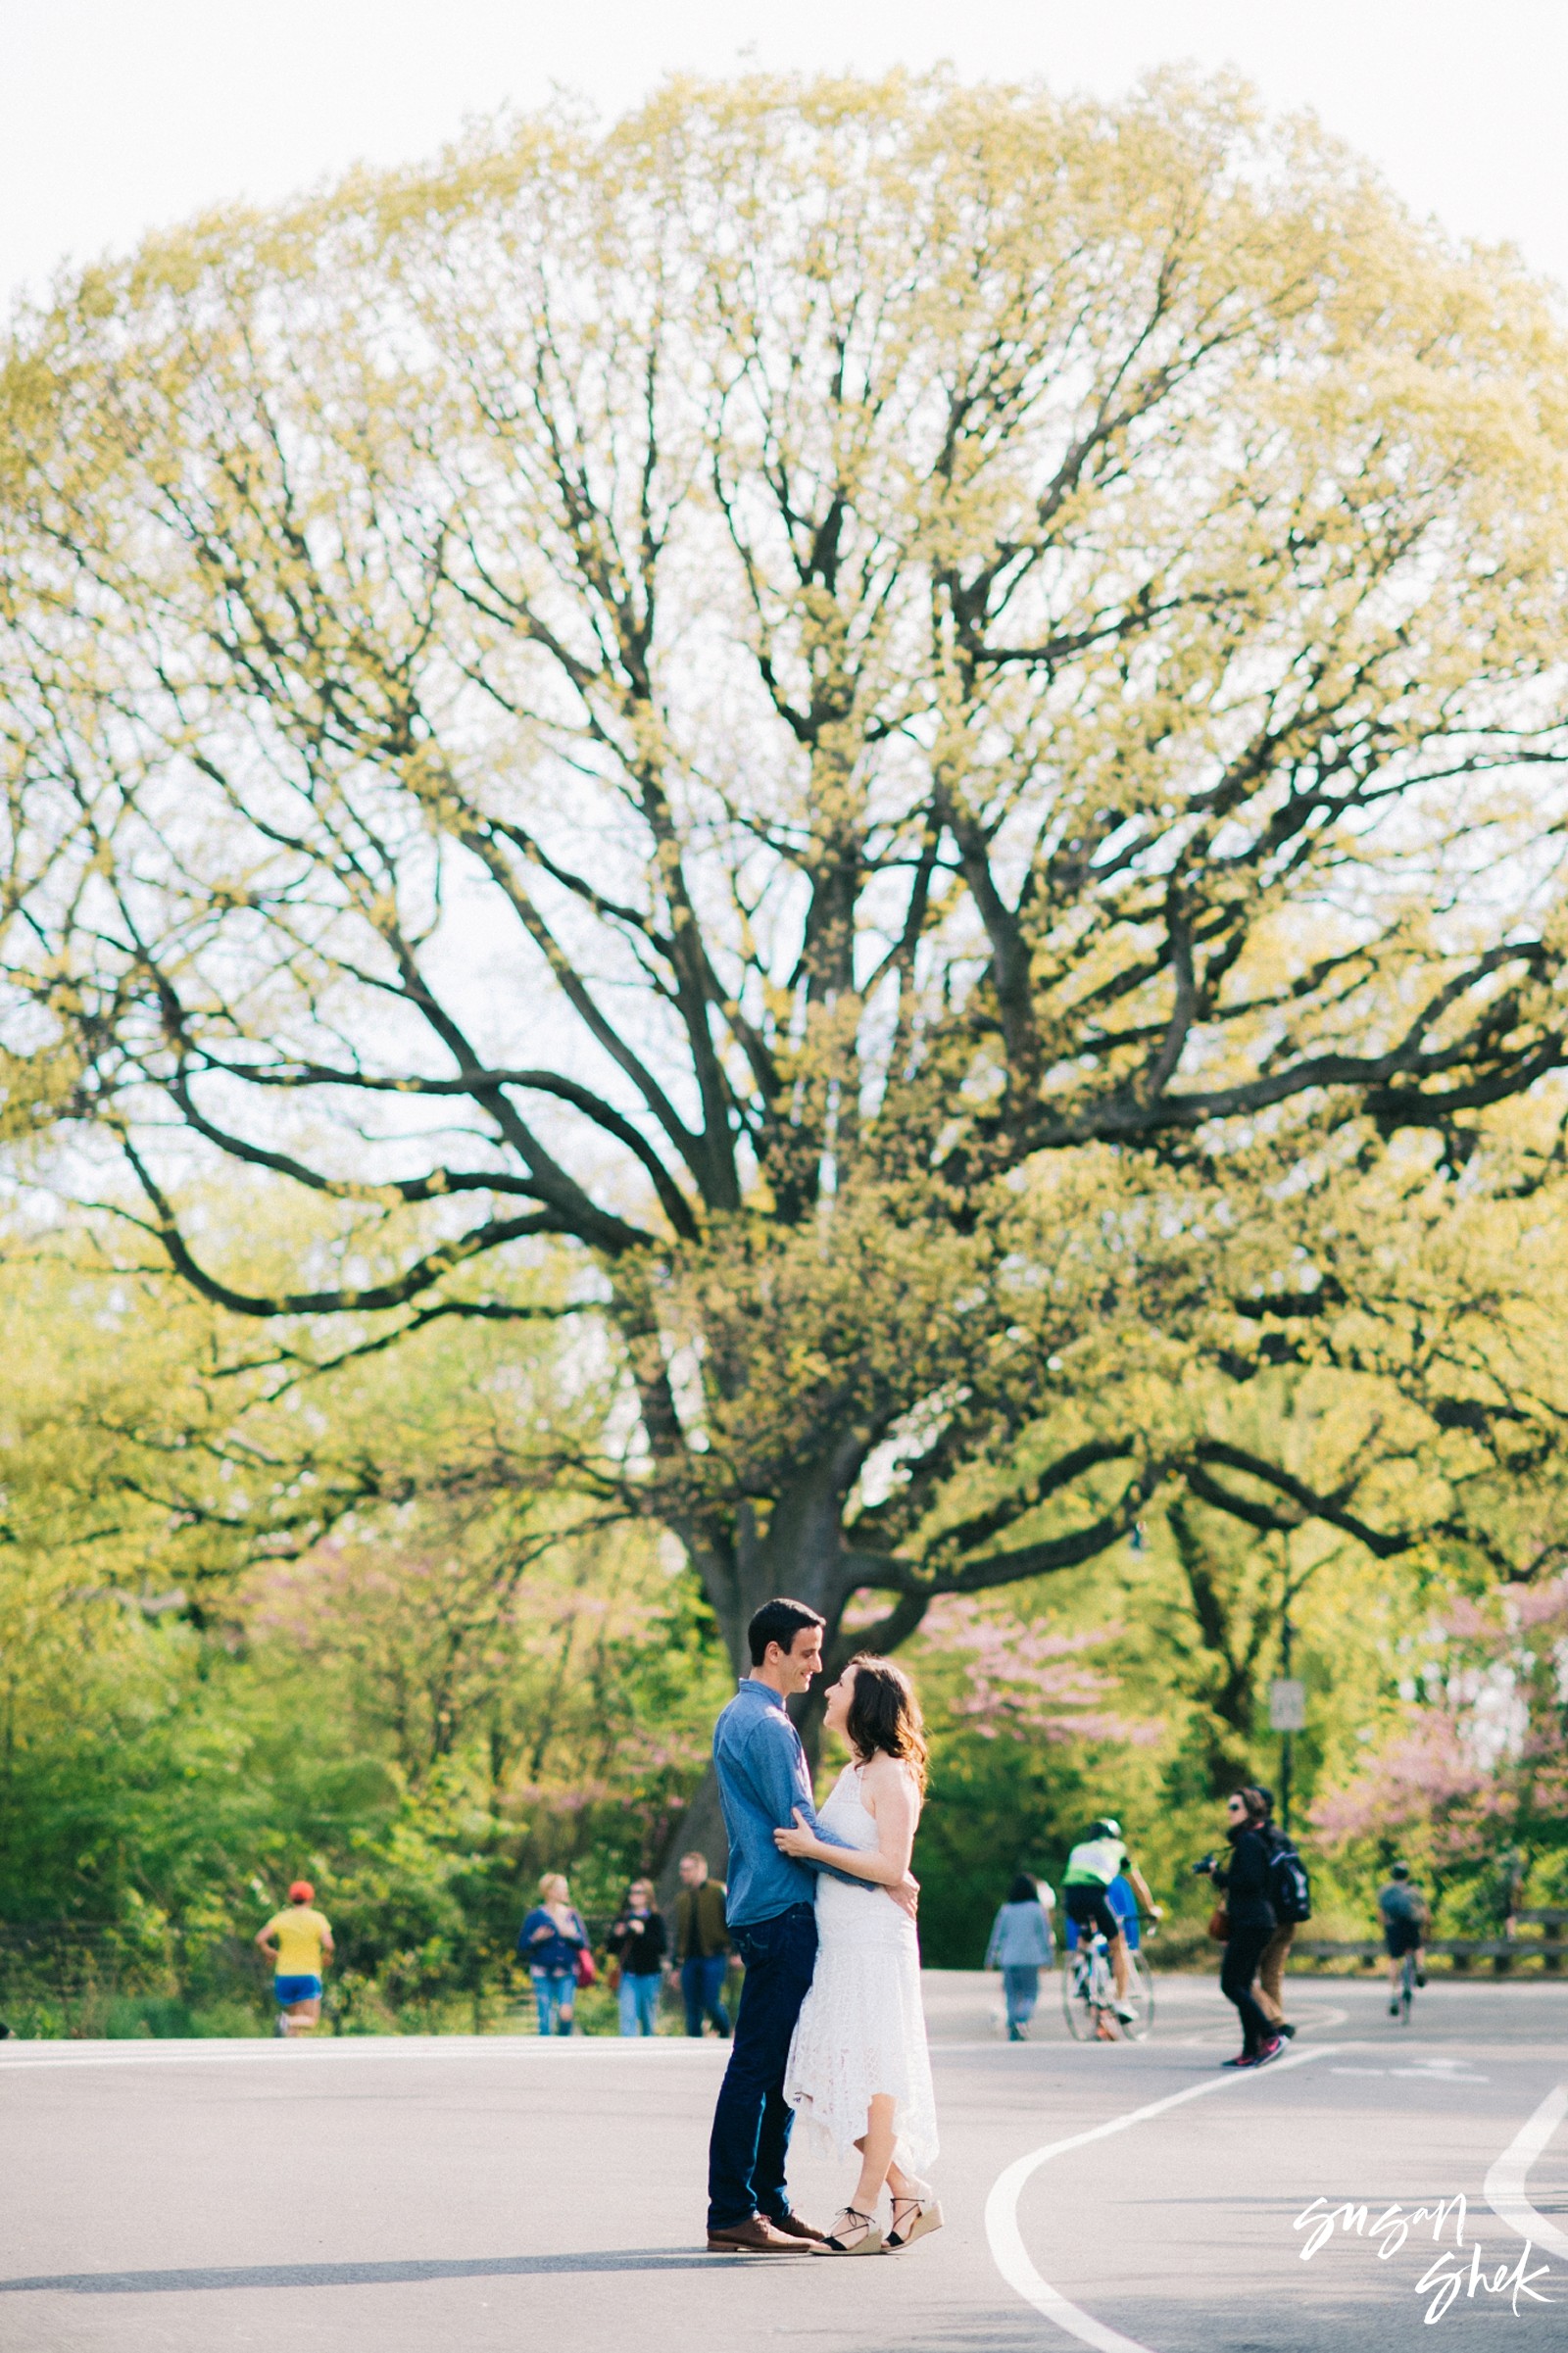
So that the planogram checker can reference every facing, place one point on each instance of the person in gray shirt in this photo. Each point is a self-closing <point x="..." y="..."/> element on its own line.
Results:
<point x="1020" y="1947"/>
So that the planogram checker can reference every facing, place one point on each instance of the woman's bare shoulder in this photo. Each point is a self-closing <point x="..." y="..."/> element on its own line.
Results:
<point x="883" y="1773"/>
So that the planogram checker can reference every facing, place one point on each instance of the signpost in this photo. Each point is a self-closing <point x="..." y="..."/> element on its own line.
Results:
<point x="1287" y="1706"/>
<point x="1286" y="1713"/>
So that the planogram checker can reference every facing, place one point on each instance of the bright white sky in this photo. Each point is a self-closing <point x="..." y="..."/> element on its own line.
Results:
<point x="117" y="116"/>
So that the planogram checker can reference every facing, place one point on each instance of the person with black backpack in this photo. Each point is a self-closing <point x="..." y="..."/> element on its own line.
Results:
<point x="1245" y="1921"/>
<point x="1291" y="1894"/>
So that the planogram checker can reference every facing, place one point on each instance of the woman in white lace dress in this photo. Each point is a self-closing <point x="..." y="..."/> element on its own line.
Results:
<point x="859" y="2071"/>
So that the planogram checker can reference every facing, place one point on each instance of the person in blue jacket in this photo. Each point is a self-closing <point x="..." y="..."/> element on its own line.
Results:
<point x="1020" y="1947"/>
<point x="552" y="1940"/>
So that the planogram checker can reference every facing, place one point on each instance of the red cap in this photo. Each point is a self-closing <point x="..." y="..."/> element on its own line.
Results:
<point x="302" y="1892"/>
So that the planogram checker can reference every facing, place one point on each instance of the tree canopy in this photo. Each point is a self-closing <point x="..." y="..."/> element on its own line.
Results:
<point x="920" y="717"/>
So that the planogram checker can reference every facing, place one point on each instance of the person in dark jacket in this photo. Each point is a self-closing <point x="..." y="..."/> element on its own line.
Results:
<point x="551" y="1940"/>
<point x="1244" y="1882"/>
<point x="1270" y="1987"/>
<point x="638" y="1940"/>
<point x="702" y="1954"/>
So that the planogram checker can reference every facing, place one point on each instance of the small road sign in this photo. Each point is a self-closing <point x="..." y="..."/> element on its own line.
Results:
<point x="1287" y="1706"/>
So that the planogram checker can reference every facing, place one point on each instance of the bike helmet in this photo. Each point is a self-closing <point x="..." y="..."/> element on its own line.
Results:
<point x="1106" y="1828"/>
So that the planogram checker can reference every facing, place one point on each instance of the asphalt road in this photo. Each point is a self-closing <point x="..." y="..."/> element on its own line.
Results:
<point x="461" y="2194"/>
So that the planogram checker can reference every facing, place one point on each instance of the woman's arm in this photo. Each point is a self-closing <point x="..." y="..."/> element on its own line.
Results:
<point x="895" y="1812"/>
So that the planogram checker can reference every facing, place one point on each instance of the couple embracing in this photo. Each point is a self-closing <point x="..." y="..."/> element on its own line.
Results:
<point x="822" y="1910"/>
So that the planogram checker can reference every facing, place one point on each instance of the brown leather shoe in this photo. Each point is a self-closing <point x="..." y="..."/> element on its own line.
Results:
<point x="796" y="2229"/>
<point x="755" y="2237"/>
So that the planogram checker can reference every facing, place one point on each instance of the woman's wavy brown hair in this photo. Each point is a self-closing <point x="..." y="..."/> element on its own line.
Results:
<point x="884" y="1714"/>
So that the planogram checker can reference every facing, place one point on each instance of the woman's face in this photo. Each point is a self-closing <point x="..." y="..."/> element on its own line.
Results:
<point x="837" y="1701"/>
<point x="642" y="1896"/>
<point x="1235" y="1814"/>
<point x="558" y="1893"/>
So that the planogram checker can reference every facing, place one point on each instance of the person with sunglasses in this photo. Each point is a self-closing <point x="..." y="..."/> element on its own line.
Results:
<point x="1251" y="1921"/>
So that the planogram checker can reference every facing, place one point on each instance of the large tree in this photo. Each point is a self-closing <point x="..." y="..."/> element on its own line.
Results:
<point x="849" y="695"/>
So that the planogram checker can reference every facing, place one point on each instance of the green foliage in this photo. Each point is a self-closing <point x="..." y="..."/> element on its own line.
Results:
<point x="421" y="1701"/>
<point x="915" y="800"/>
<point x="895" y="847"/>
<point x="424" y="1700"/>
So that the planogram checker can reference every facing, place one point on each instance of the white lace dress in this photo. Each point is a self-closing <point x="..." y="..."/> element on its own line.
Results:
<point x="861" y="2028"/>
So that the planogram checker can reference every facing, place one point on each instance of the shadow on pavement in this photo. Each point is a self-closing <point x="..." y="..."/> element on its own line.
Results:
<point x="372" y="2274"/>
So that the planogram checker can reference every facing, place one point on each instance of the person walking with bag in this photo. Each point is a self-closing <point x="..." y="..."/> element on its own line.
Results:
<point x="638" y="1941"/>
<point x="1020" y="1947"/>
<point x="1290" y="1892"/>
<point x="554" y="1943"/>
<point x="701" y="1956"/>
<point x="1250" y="1921"/>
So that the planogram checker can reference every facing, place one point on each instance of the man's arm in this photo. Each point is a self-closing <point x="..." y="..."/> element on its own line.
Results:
<point x="788" y="1788"/>
<point x="886" y="1865"/>
<point x="776" y="1769"/>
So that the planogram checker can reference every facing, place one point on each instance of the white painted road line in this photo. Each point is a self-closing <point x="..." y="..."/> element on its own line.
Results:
<point x="364" y="2049"/>
<point x="1504" y="2189"/>
<point x="1011" y="2255"/>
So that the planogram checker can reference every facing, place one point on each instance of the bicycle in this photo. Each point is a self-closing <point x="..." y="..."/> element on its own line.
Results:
<point x="1088" y="1997"/>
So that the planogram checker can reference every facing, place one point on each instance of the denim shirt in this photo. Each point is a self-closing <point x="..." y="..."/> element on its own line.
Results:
<point x="761" y="1778"/>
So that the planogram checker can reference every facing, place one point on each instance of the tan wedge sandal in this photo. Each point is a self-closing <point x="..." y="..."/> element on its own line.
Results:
<point x="852" y="2233"/>
<point x="913" y="2218"/>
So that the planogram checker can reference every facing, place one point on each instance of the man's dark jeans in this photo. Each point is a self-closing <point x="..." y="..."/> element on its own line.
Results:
<point x="751" y="2123"/>
<point x="702" y="1985"/>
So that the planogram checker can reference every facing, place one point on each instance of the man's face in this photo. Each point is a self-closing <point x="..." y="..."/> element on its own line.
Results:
<point x="803" y="1660"/>
<point x="692" y="1872"/>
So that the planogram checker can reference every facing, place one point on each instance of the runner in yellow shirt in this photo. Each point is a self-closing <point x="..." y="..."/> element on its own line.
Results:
<point x="302" y="1946"/>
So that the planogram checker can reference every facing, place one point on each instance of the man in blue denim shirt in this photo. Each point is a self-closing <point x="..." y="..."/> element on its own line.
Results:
<point x="771" y="1913"/>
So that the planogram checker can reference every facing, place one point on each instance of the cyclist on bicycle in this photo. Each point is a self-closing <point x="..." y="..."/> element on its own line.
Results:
<point x="1405" y="1926"/>
<point x="1086" y="1894"/>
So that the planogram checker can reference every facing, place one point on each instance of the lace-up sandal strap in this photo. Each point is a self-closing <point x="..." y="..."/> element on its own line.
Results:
<point x="862" y="2238"/>
<point x="926" y="2216"/>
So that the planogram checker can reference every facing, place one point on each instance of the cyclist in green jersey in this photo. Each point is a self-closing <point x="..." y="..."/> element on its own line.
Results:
<point x="1090" y="1867"/>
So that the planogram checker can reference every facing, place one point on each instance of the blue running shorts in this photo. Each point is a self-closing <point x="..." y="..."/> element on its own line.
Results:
<point x="286" y="1991"/>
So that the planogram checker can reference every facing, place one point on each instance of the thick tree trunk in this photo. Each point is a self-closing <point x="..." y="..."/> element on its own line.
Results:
<point x="700" y="1831"/>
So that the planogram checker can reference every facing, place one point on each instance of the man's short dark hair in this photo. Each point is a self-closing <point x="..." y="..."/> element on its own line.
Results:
<point x="779" y="1622"/>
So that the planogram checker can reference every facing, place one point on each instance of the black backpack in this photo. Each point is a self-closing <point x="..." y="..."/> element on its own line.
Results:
<point x="1290" y="1890"/>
